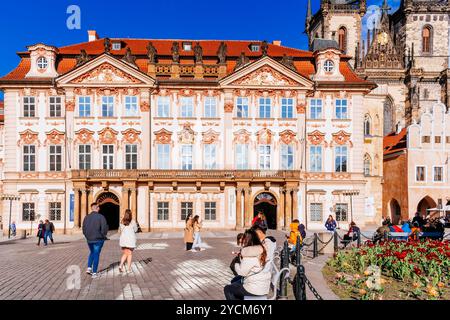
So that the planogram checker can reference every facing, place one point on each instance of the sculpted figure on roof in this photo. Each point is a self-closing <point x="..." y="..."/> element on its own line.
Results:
<point x="264" y="48"/>
<point x="151" y="52"/>
<point x="129" y="57"/>
<point x="288" y="61"/>
<point x="222" y="52"/>
<point x="241" y="61"/>
<point x="82" y="58"/>
<point x="107" y="45"/>
<point x="176" y="52"/>
<point x="198" y="52"/>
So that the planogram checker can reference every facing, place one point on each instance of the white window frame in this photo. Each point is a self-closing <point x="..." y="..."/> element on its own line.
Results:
<point x="341" y="115"/>
<point x="163" y="163"/>
<point x="163" y="107"/>
<point x="53" y="157"/>
<point x="336" y="155"/>
<point x="133" y="154"/>
<point x="313" y="213"/>
<point x="210" y="210"/>
<point x="242" y="107"/>
<point x="328" y="66"/>
<point x="287" y="108"/>
<point x="186" y="208"/>
<point x="210" y="156"/>
<point x="187" y="107"/>
<point x="29" y="107"/>
<point x="84" y="107"/>
<point x="187" y="158"/>
<point x="210" y="107"/>
<point x="30" y="156"/>
<point x="264" y="156"/>
<point x="31" y="208"/>
<point x="107" y="110"/>
<point x="241" y="158"/>
<point x="42" y="63"/>
<point x="285" y="157"/>
<point x="55" y="103"/>
<point x="55" y="208"/>
<point x="85" y="155"/>
<point x="316" y="109"/>
<point x="264" y="108"/>
<point x="165" y="210"/>
<point x="131" y="106"/>
<point x="315" y="161"/>
<point x="442" y="174"/>
<point x="424" y="175"/>
<point x="108" y="158"/>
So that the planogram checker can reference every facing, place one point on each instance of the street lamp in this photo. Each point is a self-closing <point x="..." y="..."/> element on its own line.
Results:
<point x="11" y="198"/>
<point x="351" y="193"/>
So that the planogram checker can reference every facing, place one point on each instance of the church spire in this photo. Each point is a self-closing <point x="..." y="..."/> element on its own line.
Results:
<point x="308" y="12"/>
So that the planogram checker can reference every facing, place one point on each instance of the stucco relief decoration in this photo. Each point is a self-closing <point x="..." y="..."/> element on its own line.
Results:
<point x="131" y="136"/>
<point x="70" y="105"/>
<point x="186" y="93"/>
<point x="342" y="138"/>
<point x="242" y="137"/>
<point x="264" y="136"/>
<point x="187" y="135"/>
<point x="163" y="137"/>
<point x="211" y="93"/>
<point x="106" y="92"/>
<point x="145" y="106"/>
<point x="288" y="137"/>
<point x="316" y="137"/>
<point x="210" y="137"/>
<point x="340" y="176"/>
<point x="54" y="137"/>
<point x="108" y="136"/>
<point x="265" y="76"/>
<point x="28" y="137"/>
<point x="84" y="136"/>
<point x="301" y="108"/>
<point x="241" y="92"/>
<point x="229" y="106"/>
<point x="106" y="73"/>
<point x="83" y="91"/>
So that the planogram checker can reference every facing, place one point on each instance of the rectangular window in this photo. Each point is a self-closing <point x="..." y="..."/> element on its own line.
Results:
<point x="163" y="211"/>
<point x="287" y="157"/>
<point x="163" y="156"/>
<point x="163" y="109"/>
<point x="84" y="107"/>
<point x="131" y="156"/>
<point x="437" y="139"/>
<point x="438" y="174"/>
<point x="84" y="156"/>
<point x="287" y="108"/>
<point x="108" y="156"/>
<point x="186" y="209"/>
<point x="242" y="107"/>
<point x="316" y="109"/>
<point x="186" y="157"/>
<point x="28" y="211"/>
<point x="341" y="211"/>
<point x="209" y="151"/>
<point x="210" y="107"/>
<point x="420" y="174"/>
<point x="426" y="139"/>
<point x="265" y="107"/>
<point x="340" y="159"/>
<point x="29" y="107"/>
<point x="107" y="106"/>
<point x="55" y="158"/>
<point x="316" y="210"/>
<point x="341" y="108"/>
<point x="447" y="139"/>
<point x="55" y="107"/>
<point x="54" y="211"/>
<point x="187" y="107"/>
<point x="210" y="210"/>
<point x="264" y="157"/>
<point x="29" y="158"/>
<point x="131" y="106"/>
<point x="315" y="158"/>
<point x="242" y="156"/>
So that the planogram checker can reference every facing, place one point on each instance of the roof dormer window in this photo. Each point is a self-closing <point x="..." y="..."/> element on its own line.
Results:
<point x="254" y="47"/>
<point x="328" y="66"/>
<point x="187" y="46"/>
<point x="42" y="63"/>
<point x="116" y="46"/>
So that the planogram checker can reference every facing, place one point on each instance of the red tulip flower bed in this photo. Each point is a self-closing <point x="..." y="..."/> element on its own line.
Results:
<point x="411" y="270"/>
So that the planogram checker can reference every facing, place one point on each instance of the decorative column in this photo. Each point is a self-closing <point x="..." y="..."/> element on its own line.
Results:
<point x="248" y="206"/>
<point x="295" y="203"/>
<point x="124" y="205"/>
<point x="288" y="211"/>
<point x="238" y="207"/>
<point x="77" y="212"/>
<point x="280" y="216"/>
<point x="133" y="202"/>
<point x="83" y="204"/>
<point x="90" y="196"/>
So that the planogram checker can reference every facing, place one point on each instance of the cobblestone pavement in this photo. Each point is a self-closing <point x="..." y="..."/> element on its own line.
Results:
<point x="162" y="269"/>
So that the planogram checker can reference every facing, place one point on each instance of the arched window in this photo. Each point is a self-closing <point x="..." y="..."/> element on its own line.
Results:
<point x="367" y="165"/>
<point x="342" y="34"/>
<point x="367" y="125"/>
<point x="388" y="116"/>
<point x="427" y="33"/>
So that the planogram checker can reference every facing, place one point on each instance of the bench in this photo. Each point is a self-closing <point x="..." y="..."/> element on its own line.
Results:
<point x="276" y="276"/>
<point x="398" y="235"/>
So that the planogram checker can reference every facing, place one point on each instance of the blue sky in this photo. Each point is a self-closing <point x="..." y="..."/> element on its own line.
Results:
<point x="29" y="22"/>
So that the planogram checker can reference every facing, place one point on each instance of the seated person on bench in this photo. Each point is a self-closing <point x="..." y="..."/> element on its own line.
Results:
<point x="352" y="234"/>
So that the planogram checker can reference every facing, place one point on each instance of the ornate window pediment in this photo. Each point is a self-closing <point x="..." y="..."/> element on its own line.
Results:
<point x="163" y="137"/>
<point x="288" y="137"/>
<point x="342" y="138"/>
<point x="84" y="136"/>
<point x="108" y="136"/>
<point x="264" y="136"/>
<point x="242" y="137"/>
<point x="131" y="136"/>
<point x="187" y="135"/>
<point x="28" y="137"/>
<point x="316" y="137"/>
<point x="54" y="137"/>
<point x="210" y="137"/>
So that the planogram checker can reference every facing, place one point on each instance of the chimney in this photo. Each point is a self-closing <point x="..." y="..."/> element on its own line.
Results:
<point x="92" y="35"/>
<point x="276" y="42"/>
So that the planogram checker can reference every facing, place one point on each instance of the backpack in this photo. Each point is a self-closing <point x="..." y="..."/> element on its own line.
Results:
<point x="271" y="239"/>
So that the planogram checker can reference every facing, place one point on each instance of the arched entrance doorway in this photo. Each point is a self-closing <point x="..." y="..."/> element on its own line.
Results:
<point x="396" y="212"/>
<point x="424" y="204"/>
<point x="266" y="203"/>
<point x="110" y="209"/>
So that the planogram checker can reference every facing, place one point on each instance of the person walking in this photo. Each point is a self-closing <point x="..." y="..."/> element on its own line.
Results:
<point x="41" y="231"/>
<point x="13" y="229"/>
<point x="330" y="224"/>
<point x="127" y="230"/>
<point x="95" y="229"/>
<point x="196" y="246"/>
<point x="189" y="232"/>
<point x="49" y="229"/>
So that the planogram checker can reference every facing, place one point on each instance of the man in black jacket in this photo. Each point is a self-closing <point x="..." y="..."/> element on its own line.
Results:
<point x="95" y="230"/>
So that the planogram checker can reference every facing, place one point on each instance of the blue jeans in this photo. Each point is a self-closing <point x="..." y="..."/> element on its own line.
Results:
<point x="48" y="234"/>
<point x="94" y="256"/>
<point x="197" y="240"/>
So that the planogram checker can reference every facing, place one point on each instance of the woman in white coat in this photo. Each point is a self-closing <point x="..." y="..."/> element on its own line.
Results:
<point x="127" y="230"/>
<point x="255" y="278"/>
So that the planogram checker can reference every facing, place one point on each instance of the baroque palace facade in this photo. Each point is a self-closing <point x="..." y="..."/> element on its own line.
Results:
<point x="222" y="129"/>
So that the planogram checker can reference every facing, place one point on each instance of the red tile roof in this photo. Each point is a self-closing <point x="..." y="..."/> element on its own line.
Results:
<point x="303" y="60"/>
<point x="395" y="142"/>
<point x="2" y="110"/>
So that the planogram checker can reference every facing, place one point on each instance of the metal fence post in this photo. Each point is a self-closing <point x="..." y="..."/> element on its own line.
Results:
<point x="300" y="288"/>
<point x="315" y="244"/>
<point x="358" y="240"/>
<point x="282" y="292"/>
<point x="336" y="241"/>
<point x="297" y="252"/>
